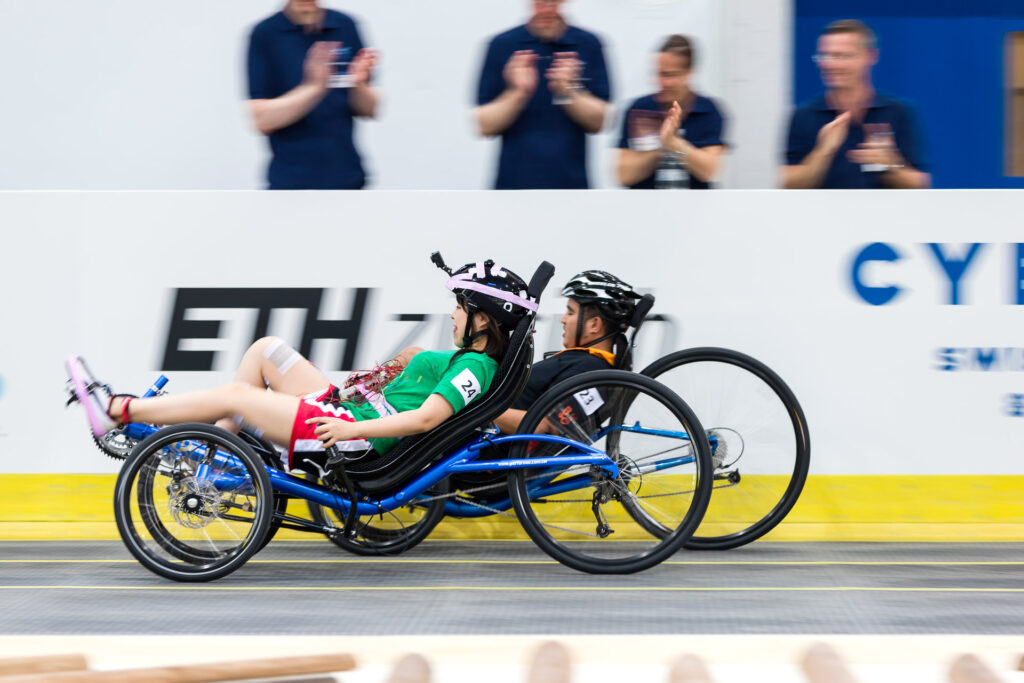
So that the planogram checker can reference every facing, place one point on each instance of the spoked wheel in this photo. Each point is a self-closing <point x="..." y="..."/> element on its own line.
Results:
<point x="760" y="444"/>
<point x="604" y="524"/>
<point x="269" y="455"/>
<point x="387" y="533"/>
<point x="193" y="503"/>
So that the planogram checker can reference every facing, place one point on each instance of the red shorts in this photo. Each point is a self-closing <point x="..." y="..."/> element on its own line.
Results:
<point x="304" y="438"/>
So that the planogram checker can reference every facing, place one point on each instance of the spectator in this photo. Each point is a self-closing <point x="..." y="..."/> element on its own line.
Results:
<point x="672" y="138"/>
<point x="852" y="137"/>
<point x="309" y="76"/>
<point x="543" y="122"/>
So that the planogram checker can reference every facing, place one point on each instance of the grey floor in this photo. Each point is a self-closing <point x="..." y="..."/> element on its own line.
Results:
<point x="466" y="587"/>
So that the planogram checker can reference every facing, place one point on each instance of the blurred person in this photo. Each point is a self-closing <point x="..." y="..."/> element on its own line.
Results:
<point x="673" y="138"/>
<point x="852" y="137"/>
<point x="543" y="88"/>
<point x="309" y="77"/>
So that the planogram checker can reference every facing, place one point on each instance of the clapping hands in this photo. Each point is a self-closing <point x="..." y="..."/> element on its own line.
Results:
<point x="521" y="72"/>
<point x="564" y="73"/>
<point x="670" y="127"/>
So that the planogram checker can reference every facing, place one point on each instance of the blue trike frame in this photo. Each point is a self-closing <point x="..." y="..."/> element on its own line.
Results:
<point x="464" y="460"/>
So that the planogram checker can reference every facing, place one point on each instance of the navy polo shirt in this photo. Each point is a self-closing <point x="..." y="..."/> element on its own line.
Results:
<point x="703" y="126"/>
<point x="843" y="173"/>
<point x="316" y="152"/>
<point x="544" y="148"/>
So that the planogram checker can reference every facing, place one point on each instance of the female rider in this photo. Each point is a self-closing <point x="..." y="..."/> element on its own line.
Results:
<point x="305" y="412"/>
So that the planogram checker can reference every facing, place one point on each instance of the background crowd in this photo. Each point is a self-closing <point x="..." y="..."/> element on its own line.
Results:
<point x="544" y="86"/>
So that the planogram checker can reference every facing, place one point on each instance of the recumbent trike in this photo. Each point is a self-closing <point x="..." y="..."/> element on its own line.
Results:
<point x="609" y="472"/>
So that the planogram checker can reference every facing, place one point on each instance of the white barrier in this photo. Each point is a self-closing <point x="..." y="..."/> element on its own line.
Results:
<point x="914" y="386"/>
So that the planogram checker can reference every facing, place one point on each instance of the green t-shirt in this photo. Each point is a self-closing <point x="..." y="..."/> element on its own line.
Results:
<point x="429" y="372"/>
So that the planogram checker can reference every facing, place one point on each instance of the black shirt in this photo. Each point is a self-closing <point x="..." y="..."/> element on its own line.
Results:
<point x="553" y="370"/>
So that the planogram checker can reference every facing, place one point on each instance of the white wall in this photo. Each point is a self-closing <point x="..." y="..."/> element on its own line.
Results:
<point x="94" y="273"/>
<point x="129" y="94"/>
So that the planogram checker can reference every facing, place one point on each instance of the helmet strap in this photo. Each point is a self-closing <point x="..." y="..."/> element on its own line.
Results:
<point x="579" y="331"/>
<point x="593" y="341"/>
<point x="579" y="327"/>
<point x="467" y="337"/>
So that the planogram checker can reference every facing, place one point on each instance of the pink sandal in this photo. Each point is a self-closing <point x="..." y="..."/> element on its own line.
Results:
<point x="95" y="397"/>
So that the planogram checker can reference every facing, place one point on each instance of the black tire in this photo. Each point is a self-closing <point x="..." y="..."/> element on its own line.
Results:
<point x="745" y="406"/>
<point x="269" y="455"/>
<point x="390" y="533"/>
<point x="178" y="523"/>
<point x="276" y="518"/>
<point x="642" y="516"/>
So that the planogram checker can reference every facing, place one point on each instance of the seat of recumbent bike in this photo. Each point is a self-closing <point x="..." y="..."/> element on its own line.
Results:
<point x="414" y="453"/>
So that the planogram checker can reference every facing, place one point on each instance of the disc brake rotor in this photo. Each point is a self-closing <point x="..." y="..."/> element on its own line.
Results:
<point x="194" y="504"/>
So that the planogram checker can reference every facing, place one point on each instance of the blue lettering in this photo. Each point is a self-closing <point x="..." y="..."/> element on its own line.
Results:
<point x="1015" y="405"/>
<point x="947" y="359"/>
<point x="876" y="296"/>
<point x="954" y="268"/>
<point x="1018" y="280"/>
<point x="985" y="357"/>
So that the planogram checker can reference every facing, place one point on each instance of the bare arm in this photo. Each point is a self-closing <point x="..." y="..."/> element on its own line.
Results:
<point x="281" y="112"/>
<point x="898" y="174"/>
<point x="584" y="108"/>
<point x="433" y="412"/>
<point x="810" y="172"/>
<point x="702" y="162"/>
<point x="498" y="115"/>
<point x="634" y="165"/>
<point x="276" y="113"/>
<point x="508" y="422"/>
<point x="588" y="111"/>
<point x="907" y="178"/>
<point x="495" y="117"/>
<point x="363" y="98"/>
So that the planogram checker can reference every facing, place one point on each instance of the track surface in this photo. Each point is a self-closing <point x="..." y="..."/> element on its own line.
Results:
<point x="512" y="588"/>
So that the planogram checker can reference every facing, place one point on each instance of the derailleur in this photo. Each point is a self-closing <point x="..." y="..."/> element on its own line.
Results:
<point x="601" y="495"/>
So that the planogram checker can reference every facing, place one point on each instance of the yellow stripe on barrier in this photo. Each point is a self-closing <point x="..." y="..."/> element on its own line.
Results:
<point x="831" y="508"/>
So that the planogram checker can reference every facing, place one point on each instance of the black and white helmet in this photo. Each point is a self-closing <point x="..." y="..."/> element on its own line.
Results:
<point x="614" y="298"/>
<point x="498" y="292"/>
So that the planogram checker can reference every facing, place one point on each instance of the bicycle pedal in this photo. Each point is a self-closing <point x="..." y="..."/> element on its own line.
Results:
<point x="69" y="387"/>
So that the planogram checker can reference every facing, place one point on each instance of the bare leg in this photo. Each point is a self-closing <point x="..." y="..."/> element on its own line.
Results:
<point x="269" y="362"/>
<point x="272" y="412"/>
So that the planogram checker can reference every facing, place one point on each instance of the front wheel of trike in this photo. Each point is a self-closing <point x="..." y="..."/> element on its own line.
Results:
<point x="193" y="503"/>
<point x="603" y="523"/>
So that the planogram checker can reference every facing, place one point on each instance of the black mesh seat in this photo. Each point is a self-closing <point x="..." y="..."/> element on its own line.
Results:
<point x="623" y="344"/>
<point x="414" y="453"/>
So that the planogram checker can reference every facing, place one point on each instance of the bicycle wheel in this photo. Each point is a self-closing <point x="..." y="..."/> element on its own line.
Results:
<point x="387" y="533"/>
<point x="596" y="522"/>
<point x="760" y="444"/>
<point x="268" y="454"/>
<point x="193" y="503"/>
<point x="184" y="551"/>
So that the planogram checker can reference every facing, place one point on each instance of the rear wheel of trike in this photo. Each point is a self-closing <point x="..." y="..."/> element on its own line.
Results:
<point x="388" y="533"/>
<point x="612" y="524"/>
<point x="761" y="447"/>
<point x="193" y="503"/>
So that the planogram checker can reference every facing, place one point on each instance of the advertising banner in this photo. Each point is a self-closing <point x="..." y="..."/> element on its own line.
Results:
<point x="896" y="318"/>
